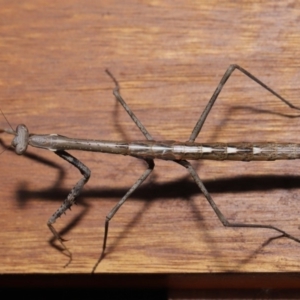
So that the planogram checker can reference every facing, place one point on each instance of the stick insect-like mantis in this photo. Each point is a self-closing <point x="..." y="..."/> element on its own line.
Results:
<point x="150" y="149"/>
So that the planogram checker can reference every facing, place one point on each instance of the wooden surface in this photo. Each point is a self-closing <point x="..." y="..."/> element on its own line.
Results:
<point x="168" y="57"/>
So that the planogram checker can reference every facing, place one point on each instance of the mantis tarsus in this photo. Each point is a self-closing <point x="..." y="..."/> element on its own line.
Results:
<point x="150" y="149"/>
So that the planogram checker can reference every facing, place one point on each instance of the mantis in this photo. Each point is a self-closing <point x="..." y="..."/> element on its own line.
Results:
<point x="149" y="150"/>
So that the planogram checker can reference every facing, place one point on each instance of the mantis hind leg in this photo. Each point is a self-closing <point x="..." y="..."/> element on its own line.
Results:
<point x="219" y="88"/>
<point x="220" y="215"/>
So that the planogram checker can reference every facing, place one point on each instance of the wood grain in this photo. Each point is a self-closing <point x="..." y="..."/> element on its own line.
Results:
<point x="168" y="57"/>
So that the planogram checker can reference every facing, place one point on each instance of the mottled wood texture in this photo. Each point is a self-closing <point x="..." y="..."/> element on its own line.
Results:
<point x="168" y="57"/>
